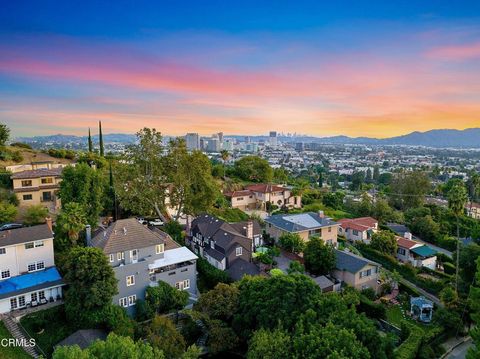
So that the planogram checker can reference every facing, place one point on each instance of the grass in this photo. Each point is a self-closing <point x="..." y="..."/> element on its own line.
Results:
<point x="394" y="315"/>
<point x="10" y="352"/>
<point x="48" y="327"/>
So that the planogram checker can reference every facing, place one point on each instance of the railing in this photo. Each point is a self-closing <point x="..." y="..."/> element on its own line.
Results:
<point x="29" y="337"/>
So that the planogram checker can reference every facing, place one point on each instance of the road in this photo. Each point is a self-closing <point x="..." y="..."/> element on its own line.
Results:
<point x="434" y="247"/>
<point x="422" y="292"/>
<point x="460" y="352"/>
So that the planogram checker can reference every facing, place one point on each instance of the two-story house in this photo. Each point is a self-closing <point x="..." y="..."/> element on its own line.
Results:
<point x="356" y="271"/>
<point x="306" y="225"/>
<point x="358" y="229"/>
<point x="28" y="276"/>
<point x="141" y="257"/>
<point x="473" y="210"/>
<point x="256" y="197"/>
<point x="38" y="186"/>
<point x="225" y="246"/>
<point x="415" y="253"/>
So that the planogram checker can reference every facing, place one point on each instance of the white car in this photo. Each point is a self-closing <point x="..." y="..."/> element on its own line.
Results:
<point x="156" y="222"/>
<point x="141" y="220"/>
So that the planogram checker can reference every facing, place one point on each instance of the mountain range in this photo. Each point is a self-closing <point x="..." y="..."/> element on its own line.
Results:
<point x="468" y="138"/>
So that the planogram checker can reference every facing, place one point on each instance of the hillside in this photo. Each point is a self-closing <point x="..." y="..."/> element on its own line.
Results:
<point x="30" y="156"/>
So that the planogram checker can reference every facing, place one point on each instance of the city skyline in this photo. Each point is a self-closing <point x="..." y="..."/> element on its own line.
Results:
<point x="379" y="70"/>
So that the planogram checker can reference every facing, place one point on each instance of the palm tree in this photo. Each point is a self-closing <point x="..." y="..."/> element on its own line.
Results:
<point x="457" y="197"/>
<point x="72" y="220"/>
<point x="225" y="156"/>
<point x="474" y="187"/>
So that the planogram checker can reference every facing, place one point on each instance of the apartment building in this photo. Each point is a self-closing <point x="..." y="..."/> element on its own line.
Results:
<point x="256" y="197"/>
<point x="141" y="257"/>
<point x="305" y="225"/>
<point x="28" y="276"/>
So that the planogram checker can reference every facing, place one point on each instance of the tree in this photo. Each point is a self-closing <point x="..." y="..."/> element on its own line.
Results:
<point x="334" y="200"/>
<point x="174" y="229"/>
<point x="162" y="334"/>
<point x="382" y="211"/>
<point x="92" y="284"/>
<point x="457" y="197"/>
<point x="292" y="242"/>
<point x="83" y="185"/>
<point x="220" y="302"/>
<point x="474" y="304"/>
<point x="90" y="143"/>
<point x="408" y="189"/>
<point x="468" y="264"/>
<point x="385" y="242"/>
<point x="8" y="212"/>
<point x="221" y="338"/>
<point x="295" y="267"/>
<point x="72" y="221"/>
<point x="369" y="176"/>
<point x="449" y="297"/>
<point x="163" y="298"/>
<point x="358" y="178"/>
<point x="319" y="257"/>
<point x="35" y="214"/>
<point x="269" y="344"/>
<point x="4" y="134"/>
<point x="253" y="168"/>
<point x="114" y="346"/>
<point x="100" y="139"/>
<point x="225" y="155"/>
<point x="376" y="173"/>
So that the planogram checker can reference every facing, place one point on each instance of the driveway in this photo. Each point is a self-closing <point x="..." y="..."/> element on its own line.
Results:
<point x="460" y="352"/>
<point x="283" y="262"/>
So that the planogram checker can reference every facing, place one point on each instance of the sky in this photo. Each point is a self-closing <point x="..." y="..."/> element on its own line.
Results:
<point x="322" y="68"/>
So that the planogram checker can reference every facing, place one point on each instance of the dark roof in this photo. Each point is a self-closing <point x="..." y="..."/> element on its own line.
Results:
<point x="25" y="234"/>
<point x="323" y="282"/>
<point x="169" y="242"/>
<point x="83" y="338"/>
<point x="240" y="267"/>
<point x="241" y="227"/>
<point x="399" y="229"/>
<point x="215" y="254"/>
<point x="54" y="172"/>
<point x="124" y="235"/>
<point x="300" y="222"/>
<point x="351" y="262"/>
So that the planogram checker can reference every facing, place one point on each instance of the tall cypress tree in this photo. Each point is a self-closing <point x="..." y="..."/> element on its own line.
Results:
<point x="100" y="138"/>
<point x="90" y="144"/>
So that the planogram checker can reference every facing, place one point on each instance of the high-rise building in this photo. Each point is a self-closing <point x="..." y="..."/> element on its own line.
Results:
<point x="273" y="139"/>
<point x="299" y="146"/>
<point x="220" y="136"/>
<point x="213" y="145"/>
<point x="193" y="141"/>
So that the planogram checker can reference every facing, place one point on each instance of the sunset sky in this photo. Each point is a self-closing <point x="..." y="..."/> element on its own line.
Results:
<point x="314" y="67"/>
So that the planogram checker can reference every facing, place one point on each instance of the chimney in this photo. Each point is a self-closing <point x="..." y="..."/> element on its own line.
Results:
<point x="250" y="229"/>
<point x="321" y="214"/>
<point x="188" y="226"/>
<point x="407" y="235"/>
<point x="48" y="221"/>
<point x="88" y="235"/>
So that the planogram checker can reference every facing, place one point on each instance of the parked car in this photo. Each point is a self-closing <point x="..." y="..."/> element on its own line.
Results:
<point x="156" y="222"/>
<point x="8" y="226"/>
<point x="142" y="220"/>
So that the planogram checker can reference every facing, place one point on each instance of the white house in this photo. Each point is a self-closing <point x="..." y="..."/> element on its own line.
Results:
<point x="358" y="229"/>
<point x="415" y="253"/>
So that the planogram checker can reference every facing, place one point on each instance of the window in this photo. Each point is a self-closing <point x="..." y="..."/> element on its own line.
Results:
<point x="46" y="196"/>
<point x="21" y="301"/>
<point x="27" y="183"/>
<point x="112" y="258"/>
<point x="36" y="266"/>
<point x="40" y="265"/>
<point x="34" y="297"/>
<point x="120" y="256"/>
<point x="172" y="273"/>
<point x="38" y="244"/>
<point x="186" y="284"/>
<point x="134" y="255"/>
<point x="3" y="250"/>
<point x="47" y="180"/>
<point x="366" y="273"/>
<point x="401" y="251"/>
<point x="159" y="248"/>
<point x="329" y="229"/>
<point x="13" y="303"/>
<point x="29" y="245"/>
<point x="239" y="198"/>
<point x="41" y="294"/>
<point x="238" y="251"/>
<point x="31" y="267"/>
<point x="27" y="197"/>
<point x="184" y="270"/>
<point x="123" y="302"/>
<point x="132" y="300"/>
<point x="355" y="232"/>
<point x="130" y="280"/>
<point x="5" y="274"/>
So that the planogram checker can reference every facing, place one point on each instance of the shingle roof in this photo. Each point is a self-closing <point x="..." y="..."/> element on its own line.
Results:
<point x="54" y="172"/>
<point x="215" y="254"/>
<point x="406" y="243"/>
<point x="25" y="234"/>
<point x="240" y="267"/>
<point x="300" y="222"/>
<point x="241" y="193"/>
<point x="83" y="338"/>
<point x="323" y="282"/>
<point x="265" y="188"/>
<point x="351" y="262"/>
<point x="124" y="235"/>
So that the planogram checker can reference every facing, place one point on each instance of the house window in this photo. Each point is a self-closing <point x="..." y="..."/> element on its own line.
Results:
<point x="239" y="198"/>
<point x="27" y="183"/>
<point x="123" y="302"/>
<point x="41" y="294"/>
<point x="46" y="196"/>
<point x="130" y="280"/>
<point x="38" y="244"/>
<point x="120" y="256"/>
<point x="159" y="248"/>
<point x="401" y="251"/>
<point x="6" y="274"/>
<point x="355" y="232"/>
<point x="186" y="284"/>
<point x="132" y="299"/>
<point x="172" y="273"/>
<point x="112" y="258"/>
<point x="134" y="255"/>
<point x="40" y="265"/>
<point x="3" y="250"/>
<point x="329" y="229"/>
<point x="238" y="251"/>
<point x="47" y="180"/>
<point x="33" y="297"/>
<point x="365" y="273"/>
<point x="29" y="245"/>
<point x="27" y="197"/>
<point x="184" y="270"/>
<point x="21" y="301"/>
<point x="13" y="303"/>
<point x="31" y="267"/>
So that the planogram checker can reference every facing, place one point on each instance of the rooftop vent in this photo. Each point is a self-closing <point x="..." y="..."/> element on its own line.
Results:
<point x="125" y="231"/>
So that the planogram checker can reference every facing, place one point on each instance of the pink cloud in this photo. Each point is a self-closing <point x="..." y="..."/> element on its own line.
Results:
<point x="456" y="52"/>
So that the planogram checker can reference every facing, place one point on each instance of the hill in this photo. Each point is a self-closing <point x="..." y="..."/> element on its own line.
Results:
<point x="30" y="156"/>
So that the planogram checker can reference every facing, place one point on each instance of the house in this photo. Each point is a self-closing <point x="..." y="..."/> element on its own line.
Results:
<point x="473" y="210"/>
<point x="38" y="185"/>
<point x="226" y="246"/>
<point x="356" y="271"/>
<point x="256" y="197"/>
<point x="28" y="276"/>
<point x="415" y="253"/>
<point x="141" y="257"/>
<point x="358" y="229"/>
<point x="305" y="225"/>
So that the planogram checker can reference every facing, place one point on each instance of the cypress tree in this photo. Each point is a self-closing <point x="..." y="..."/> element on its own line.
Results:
<point x="100" y="138"/>
<point x="90" y="144"/>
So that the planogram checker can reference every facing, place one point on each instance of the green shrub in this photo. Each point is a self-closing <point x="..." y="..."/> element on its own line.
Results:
<point x="209" y="276"/>
<point x="449" y="268"/>
<point x="410" y="347"/>
<point x="371" y="309"/>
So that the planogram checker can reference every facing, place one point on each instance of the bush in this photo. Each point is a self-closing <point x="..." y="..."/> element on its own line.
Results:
<point x="371" y="309"/>
<point x="35" y="215"/>
<point x="209" y="276"/>
<point x="292" y="242"/>
<point x="410" y="347"/>
<point x="449" y="268"/>
<point x="21" y="145"/>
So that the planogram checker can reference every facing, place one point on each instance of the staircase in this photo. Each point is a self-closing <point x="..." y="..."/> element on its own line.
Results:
<point x="17" y="333"/>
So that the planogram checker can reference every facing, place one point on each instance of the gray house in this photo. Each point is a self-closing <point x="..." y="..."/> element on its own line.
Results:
<point x="141" y="257"/>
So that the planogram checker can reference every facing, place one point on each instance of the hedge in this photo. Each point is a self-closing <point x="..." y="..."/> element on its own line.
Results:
<point x="210" y="276"/>
<point x="409" y="348"/>
<point x="437" y="273"/>
<point x="449" y="268"/>
<point x="371" y="309"/>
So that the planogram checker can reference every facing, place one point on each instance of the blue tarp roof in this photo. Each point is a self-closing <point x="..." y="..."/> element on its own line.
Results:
<point x="29" y="280"/>
<point x="424" y="251"/>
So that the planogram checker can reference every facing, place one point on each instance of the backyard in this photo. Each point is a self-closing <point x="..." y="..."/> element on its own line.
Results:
<point x="10" y="352"/>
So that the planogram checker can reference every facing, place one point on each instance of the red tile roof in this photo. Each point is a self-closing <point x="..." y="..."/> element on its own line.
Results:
<point x="406" y="243"/>
<point x="53" y="172"/>
<point x="265" y="188"/>
<point x="239" y="193"/>
<point x="359" y="224"/>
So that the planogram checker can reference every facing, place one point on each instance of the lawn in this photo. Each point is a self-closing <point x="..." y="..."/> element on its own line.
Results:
<point x="48" y="327"/>
<point x="394" y="315"/>
<point x="10" y="352"/>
